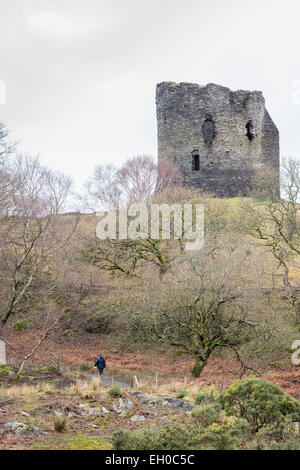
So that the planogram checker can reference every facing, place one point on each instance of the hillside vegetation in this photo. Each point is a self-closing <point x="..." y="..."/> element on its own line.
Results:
<point x="169" y="320"/>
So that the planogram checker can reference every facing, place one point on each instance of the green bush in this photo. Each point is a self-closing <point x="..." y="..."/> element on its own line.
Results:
<point x="48" y="369"/>
<point x="259" y="402"/>
<point x="205" y="415"/>
<point x="100" y="324"/>
<point x="182" y="394"/>
<point x="205" y="397"/>
<point x="23" y="324"/>
<point x="85" y="367"/>
<point x="115" y="391"/>
<point x="176" y="437"/>
<point x="67" y="335"/>
<point x="226" y="435"/>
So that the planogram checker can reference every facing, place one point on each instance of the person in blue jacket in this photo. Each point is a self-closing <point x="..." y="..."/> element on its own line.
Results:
<point x="100" y="364"/>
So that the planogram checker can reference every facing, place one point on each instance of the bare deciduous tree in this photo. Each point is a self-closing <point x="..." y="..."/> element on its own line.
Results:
<point x="102" y="190"/>
<point x="274" y="223"/>
<point x="29" y="238"/>
<point x="204" y="303"/>
<point x="136" y="181"/>
<point x="6" y="148"/>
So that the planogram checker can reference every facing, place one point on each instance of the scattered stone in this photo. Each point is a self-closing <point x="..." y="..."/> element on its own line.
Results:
<point x="137" y="418"/>
<point x="143" y="399"/>
<point x="136" y="392"/>
<point x="122" y="407"/>
<point x="104" y="410"/>
<point x="58" y="413"/>
<point x="168" y="402"/>
<point x="25" y="414"/>
<point x="92" y="412"/>
<point x="86" y="410"/>
<point x="152" y="413"/>
<point x="173" y="402"/>
<point x="188" y="406"/>
<point x="19" y="428"/>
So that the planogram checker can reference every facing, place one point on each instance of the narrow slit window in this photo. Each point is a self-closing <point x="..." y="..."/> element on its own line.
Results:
<point x="250" y="133"/>
<point x="196" y="163"/>
<point x="208" y="130"/>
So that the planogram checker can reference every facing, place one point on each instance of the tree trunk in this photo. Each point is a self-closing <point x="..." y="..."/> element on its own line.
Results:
<point x="297" y="314"/>
<point x="199" y="366"/>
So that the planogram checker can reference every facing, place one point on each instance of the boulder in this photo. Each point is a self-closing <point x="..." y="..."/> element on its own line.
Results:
<point x="137" y="418"/>
<point x="19" y="428"/>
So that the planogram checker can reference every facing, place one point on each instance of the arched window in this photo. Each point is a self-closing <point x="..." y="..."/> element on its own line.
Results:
<point x="196" y="162"/>
<point x="208" y="130"/>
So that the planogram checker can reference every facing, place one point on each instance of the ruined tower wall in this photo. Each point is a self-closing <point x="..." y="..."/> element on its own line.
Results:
<point x="270" y="143"/>
<point x="208" y="124"/>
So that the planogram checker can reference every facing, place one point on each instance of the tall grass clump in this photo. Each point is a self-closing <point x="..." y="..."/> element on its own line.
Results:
<point x="59" y="423"/>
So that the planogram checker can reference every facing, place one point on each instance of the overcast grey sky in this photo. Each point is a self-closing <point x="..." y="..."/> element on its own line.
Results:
<point x="80" y="75"/>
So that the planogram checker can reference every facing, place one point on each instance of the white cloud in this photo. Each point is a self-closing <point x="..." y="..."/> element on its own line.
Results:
<point x="81" y="75"/>
<point x="53" y="22"/>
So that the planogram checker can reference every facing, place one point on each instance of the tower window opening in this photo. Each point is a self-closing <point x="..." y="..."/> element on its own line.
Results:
<point x="250" y="133"/>
<point x="208" y="130"/>
<point x="196" y="163"/>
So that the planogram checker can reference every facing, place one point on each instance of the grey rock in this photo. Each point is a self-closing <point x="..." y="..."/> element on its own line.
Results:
<point x="19" y="428"/>
<point x="143" y="399"/>
<point x="122" y="407"/>
<point x="171" y="403"/>
<point x="137" y="418"/>
<point x="174" y="401"/>
<point x="104" y="410"/>
<point x="188" y="406"/>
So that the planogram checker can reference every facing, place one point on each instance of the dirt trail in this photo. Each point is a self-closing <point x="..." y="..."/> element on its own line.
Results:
<point x="113" y="381"/>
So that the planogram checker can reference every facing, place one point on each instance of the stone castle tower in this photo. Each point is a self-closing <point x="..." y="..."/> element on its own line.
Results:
<point x="217" y="137"/>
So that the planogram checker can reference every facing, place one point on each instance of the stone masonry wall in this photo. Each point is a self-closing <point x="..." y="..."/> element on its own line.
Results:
<point x="229" y="133"/>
